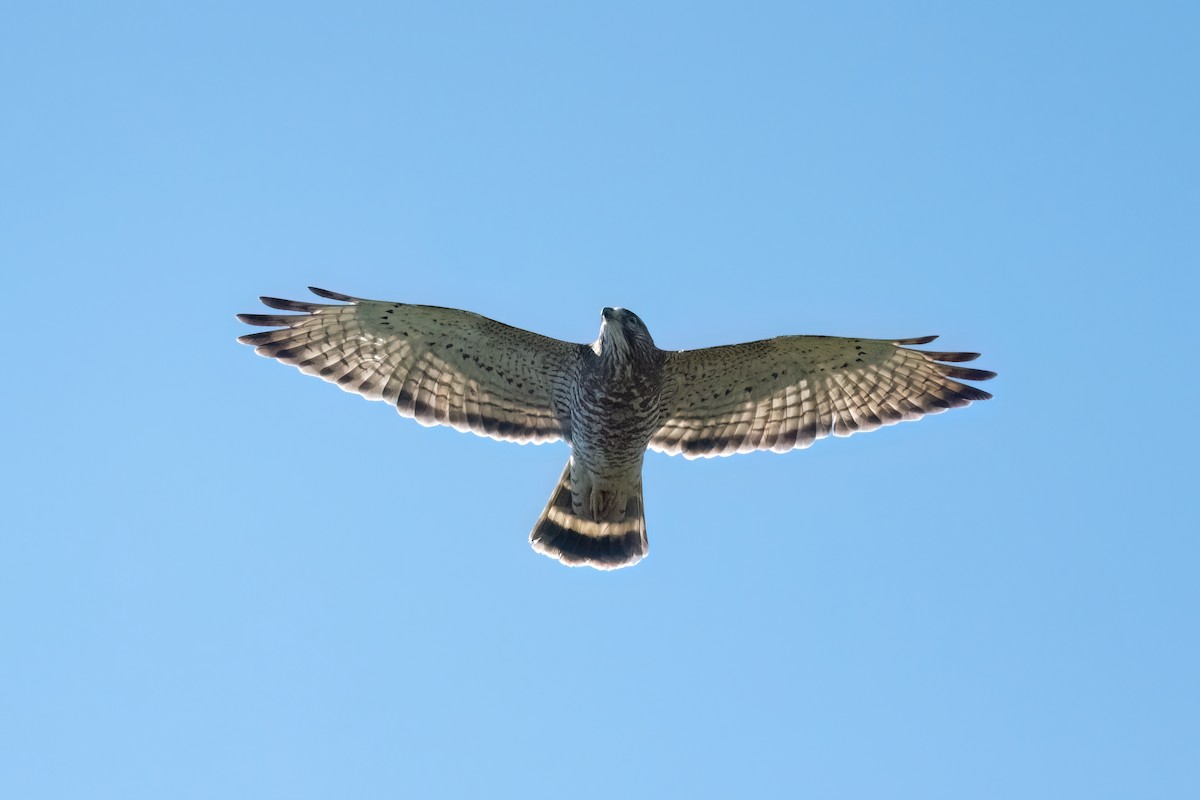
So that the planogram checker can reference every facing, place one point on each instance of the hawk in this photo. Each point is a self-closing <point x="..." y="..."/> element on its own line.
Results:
<point x="609" y="400"/>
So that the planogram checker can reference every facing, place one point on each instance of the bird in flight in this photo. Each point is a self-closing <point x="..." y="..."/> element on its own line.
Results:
<point x="609" y="400"/>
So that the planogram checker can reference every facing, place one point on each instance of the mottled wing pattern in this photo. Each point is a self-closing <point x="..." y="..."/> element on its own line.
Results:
<point x="440" y="366"/>
<point x="784" y="393"/>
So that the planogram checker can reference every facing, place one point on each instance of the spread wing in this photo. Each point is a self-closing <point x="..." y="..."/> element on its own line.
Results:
<point x="440" y="366"/>
<point x="784" y="393"/>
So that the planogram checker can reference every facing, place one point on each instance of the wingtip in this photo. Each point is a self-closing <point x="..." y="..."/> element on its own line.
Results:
<point x="290" y="305"/>
<point x="345" y="298"/>
<point x="916" y="340"/>
<point x="966" y="373"/>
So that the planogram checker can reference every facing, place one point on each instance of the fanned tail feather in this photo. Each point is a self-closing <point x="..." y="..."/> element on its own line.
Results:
<point x="576" y="541"/>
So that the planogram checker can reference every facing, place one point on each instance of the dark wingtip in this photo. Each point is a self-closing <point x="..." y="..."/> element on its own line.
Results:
<point x="934" y="356"/>
<point x="255" y="319"/>
<point x="969" y="394"/>
<point x="290" y="305"/>
<point x="967" y="374"/>
<point x="916" y="340"/>
<point x="273" y="320"/>
<point x="345" y="298"/>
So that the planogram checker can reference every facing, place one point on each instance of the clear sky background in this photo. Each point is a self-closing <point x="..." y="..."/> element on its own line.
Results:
<point x="222" y="578"/>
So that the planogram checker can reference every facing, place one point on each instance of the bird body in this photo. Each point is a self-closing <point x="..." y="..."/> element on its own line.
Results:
<point x="616" y="403"/>
<point x="610" y="400"/>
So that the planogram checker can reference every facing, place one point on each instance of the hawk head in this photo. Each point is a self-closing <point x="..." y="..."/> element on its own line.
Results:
<point x="623" y="335"/>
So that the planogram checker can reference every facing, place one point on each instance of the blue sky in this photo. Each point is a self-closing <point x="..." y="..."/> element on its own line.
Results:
<point x="221" y="578"/>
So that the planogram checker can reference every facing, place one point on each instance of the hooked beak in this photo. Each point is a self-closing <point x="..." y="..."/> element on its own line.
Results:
<point x="607" y="313"/>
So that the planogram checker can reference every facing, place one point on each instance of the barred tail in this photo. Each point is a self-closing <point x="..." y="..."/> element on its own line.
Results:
<point x="576" y="541"/>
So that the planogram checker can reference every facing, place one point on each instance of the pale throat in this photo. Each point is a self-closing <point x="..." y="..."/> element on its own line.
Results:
<point x="612" y="343"/>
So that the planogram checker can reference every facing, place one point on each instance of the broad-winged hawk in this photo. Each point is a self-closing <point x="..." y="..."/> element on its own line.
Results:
<point x="611" y="399"/>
